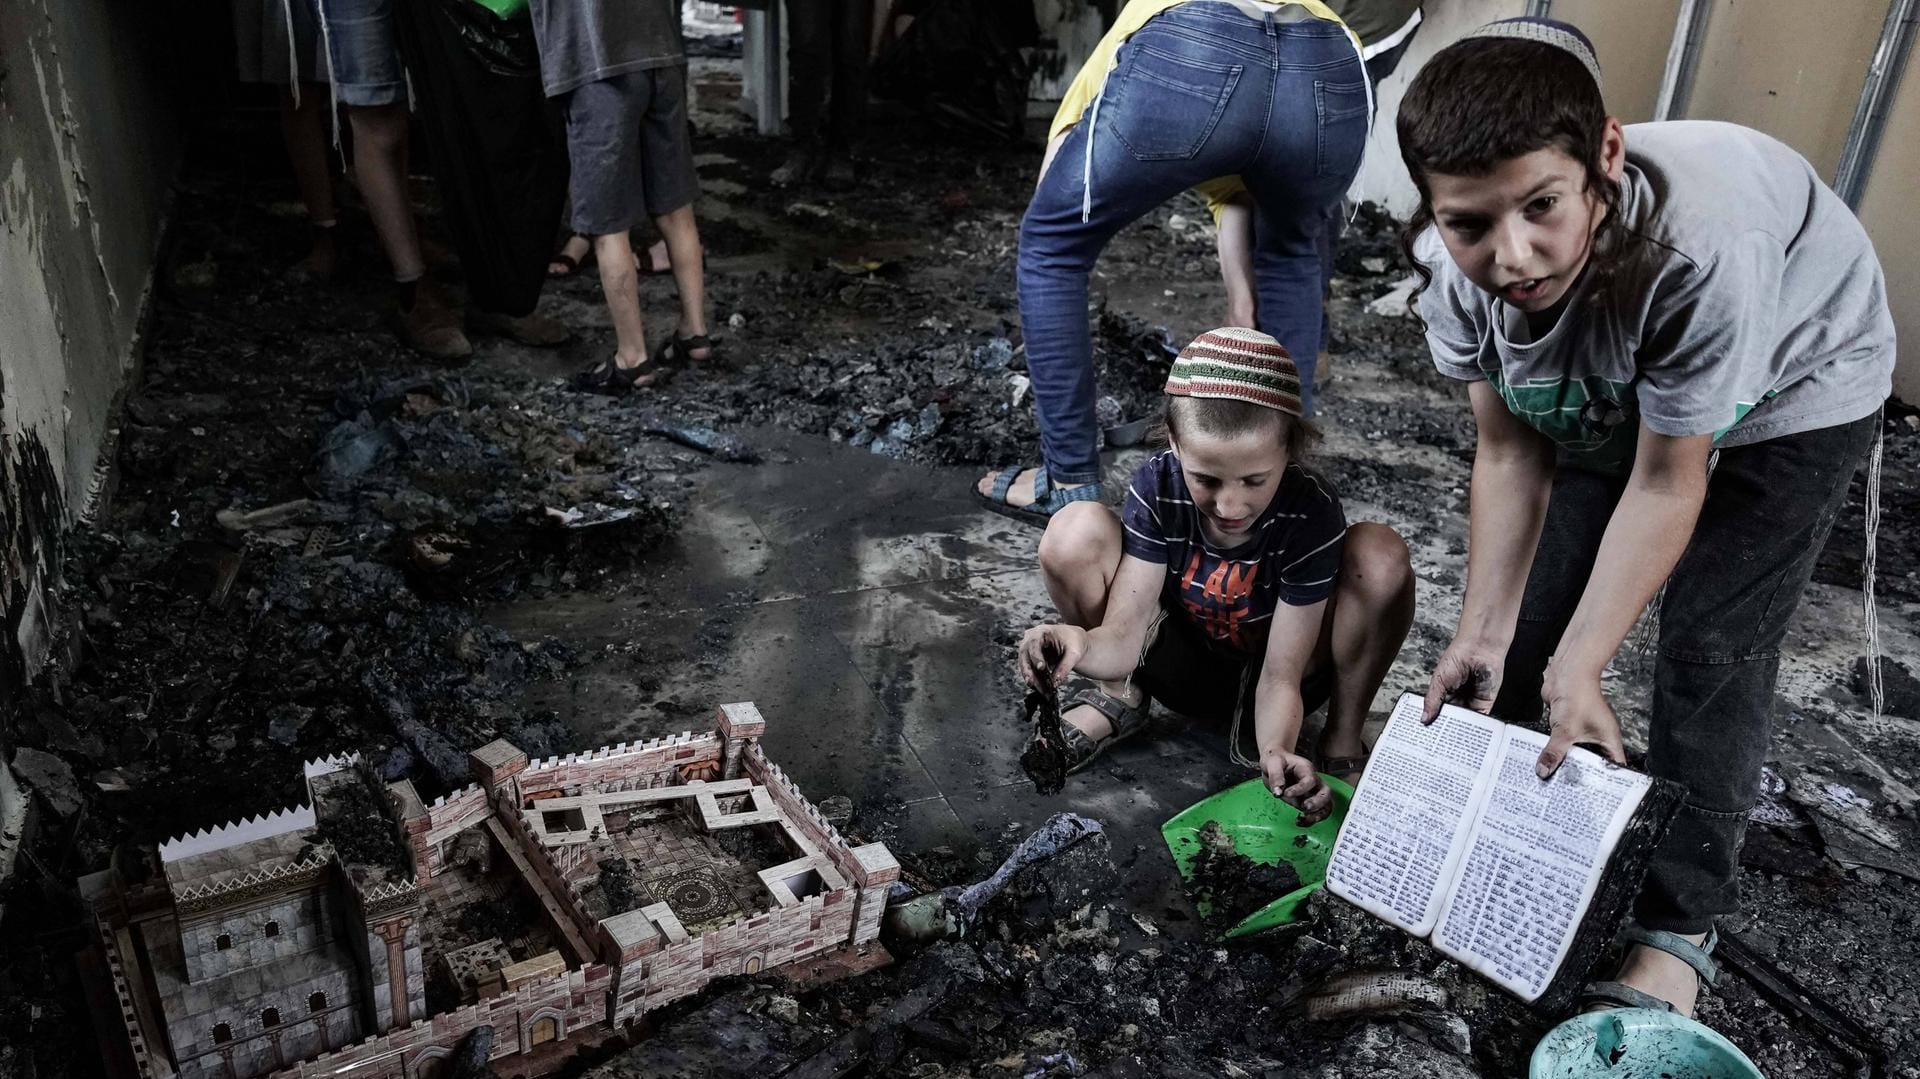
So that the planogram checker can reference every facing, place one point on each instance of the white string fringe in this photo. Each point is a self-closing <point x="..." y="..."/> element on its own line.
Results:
<point x="333" y="90"/>
<point x="1870" y="567"/>
<point x="293" y="52"/>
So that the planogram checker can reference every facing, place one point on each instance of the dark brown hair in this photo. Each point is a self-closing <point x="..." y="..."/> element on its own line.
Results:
<point x="1224" y="417"/>
<point x="1482" y="101"/>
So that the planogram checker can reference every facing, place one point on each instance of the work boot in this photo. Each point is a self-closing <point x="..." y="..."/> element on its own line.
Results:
<point x="431" y="327"/>
<point x="798" y="168"/>
<point x="531" y="329"/>
<point x="839" y="174"/>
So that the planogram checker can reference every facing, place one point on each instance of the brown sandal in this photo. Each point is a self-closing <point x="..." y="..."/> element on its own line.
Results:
<point x="1127" y="720"/>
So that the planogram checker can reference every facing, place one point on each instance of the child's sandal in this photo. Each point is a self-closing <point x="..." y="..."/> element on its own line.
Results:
<point x="1127" y="719"/>
<point x="612" y="380"/>
<point x="567" y="263"/>
<point x="678" y="350"/>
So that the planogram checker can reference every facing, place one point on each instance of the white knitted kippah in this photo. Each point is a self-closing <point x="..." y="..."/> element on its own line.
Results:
<point x="1547" y="32"/>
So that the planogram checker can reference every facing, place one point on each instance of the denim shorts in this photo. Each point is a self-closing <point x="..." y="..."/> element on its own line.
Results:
<point x="362" y="53"/>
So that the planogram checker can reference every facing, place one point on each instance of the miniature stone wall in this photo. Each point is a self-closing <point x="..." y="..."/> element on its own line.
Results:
<point x="870" y="874"/>
<point x="550" y="874"/>
<point x="659" y="971"/>
<point x="305" y="955"/>
<point x="257" y="1047"/>
<point x="655" y="761"/>
<point x="446" y="818"/>
<point x="575" y="1001"/>
<point x="123" y="998"/>
<point x="302" y="922"/>
<point x="800" y="811"/>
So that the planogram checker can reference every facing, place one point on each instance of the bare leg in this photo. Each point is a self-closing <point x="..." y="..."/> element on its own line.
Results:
<point x="380" y="168"/>
<point x="303" y="128"/>
<point x="620" y="281"/>
<point x="1079" y="558"/>
<point x="1372" y="611"/>
<point x="681" y="234"/>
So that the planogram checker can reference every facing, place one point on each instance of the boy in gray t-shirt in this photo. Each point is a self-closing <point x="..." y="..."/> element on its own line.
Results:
<point x="1676" y="342"/>
<point x="619" y="72"/>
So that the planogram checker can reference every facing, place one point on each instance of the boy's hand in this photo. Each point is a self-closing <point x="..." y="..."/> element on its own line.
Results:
<point x="1578" y="715"/>
<point x="1064" y="645"/>
<point x="1467" y="674"/>
<point x="1292" y="779"/>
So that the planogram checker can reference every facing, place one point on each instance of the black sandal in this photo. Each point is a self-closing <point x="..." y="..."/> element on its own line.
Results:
<point x="677" y="350"/>
<point x="572" y="264"/>
<point x="609" y="378"/>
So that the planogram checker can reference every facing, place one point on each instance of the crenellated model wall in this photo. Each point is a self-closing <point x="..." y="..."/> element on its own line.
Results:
<point x="573" y="1002"/>
<point x="655" y="762"/>
<point x="447" y="817"/>
<point x="658" y="972"/>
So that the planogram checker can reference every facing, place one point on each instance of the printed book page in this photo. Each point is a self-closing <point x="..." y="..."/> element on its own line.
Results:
<point x="1535" y="860"/>
<point x="1407" y="827"/>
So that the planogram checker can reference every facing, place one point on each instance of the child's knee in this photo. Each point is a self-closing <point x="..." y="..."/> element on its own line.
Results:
<point x="1377" y="561"/>
<point x="1080" y="533"/>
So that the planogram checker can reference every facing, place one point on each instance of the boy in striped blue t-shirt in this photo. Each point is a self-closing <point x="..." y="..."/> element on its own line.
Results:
<point x="1229" y="586"/>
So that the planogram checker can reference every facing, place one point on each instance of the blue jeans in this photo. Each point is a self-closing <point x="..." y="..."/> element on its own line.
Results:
<point x="1201" y="91"/>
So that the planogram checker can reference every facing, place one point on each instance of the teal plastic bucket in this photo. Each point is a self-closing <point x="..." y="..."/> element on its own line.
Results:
<point x="1637" y="1043"/>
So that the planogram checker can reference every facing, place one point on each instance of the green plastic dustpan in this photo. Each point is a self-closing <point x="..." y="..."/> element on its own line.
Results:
<point x="1637" y="1043"/>
<point x="1264" y="829"/>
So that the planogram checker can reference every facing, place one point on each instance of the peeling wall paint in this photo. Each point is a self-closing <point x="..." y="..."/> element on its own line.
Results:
<point x="88" y="148"/>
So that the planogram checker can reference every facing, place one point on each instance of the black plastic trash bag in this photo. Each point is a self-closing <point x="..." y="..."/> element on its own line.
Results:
<point x="498" y="146"/>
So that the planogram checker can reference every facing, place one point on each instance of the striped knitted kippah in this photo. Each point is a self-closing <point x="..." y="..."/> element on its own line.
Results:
<point x="1560" y="35"/>
<point x="1237" y="364"/>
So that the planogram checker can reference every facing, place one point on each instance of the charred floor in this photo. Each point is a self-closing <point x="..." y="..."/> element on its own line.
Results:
<point x="319" y="544"/>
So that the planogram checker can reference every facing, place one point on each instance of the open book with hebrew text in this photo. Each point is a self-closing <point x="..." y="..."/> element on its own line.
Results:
<point x="1452" y="836"/>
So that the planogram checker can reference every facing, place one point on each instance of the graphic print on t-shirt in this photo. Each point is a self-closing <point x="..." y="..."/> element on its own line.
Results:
<point x="1218" y="593"/>
<point x="1592" y="416"/>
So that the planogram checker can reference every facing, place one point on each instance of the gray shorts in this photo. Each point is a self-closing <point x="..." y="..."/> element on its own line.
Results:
<point x="364" y="55"/>
<point x="627" y="141"/>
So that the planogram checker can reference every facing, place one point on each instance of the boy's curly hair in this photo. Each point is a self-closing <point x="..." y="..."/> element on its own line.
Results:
<point x="1485" y="100"/>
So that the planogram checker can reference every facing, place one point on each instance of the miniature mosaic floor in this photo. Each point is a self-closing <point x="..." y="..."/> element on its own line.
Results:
<point x="666" y="861"/>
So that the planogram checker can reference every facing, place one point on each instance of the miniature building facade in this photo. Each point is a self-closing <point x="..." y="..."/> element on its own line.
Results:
<point x="555" y="900"/>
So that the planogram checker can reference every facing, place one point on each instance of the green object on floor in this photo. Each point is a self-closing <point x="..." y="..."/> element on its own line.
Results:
<point x="506" y="9"/>
<point x="1637" y="1043"/>
<point x="1265" y="829"/>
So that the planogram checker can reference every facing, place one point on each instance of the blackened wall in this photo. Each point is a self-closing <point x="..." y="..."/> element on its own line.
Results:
<point x="88" y="147"/>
